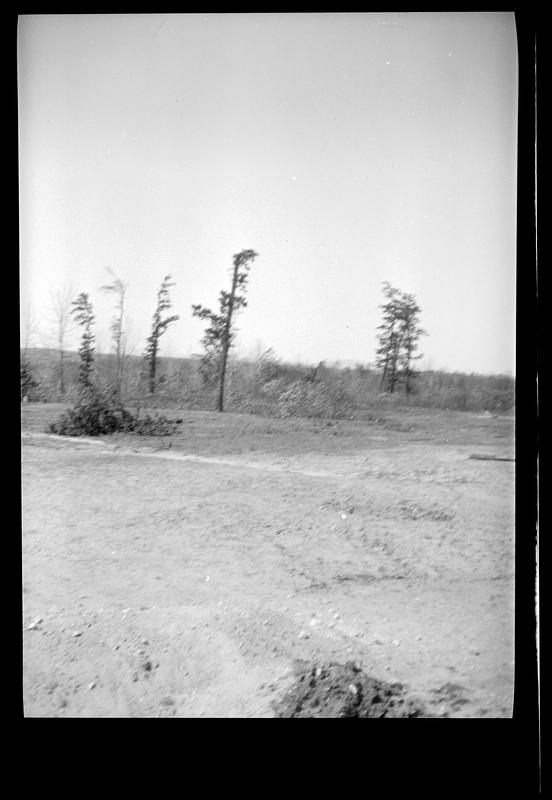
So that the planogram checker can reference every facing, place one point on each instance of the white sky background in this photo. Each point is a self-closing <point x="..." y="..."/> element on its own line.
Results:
<point x="346" y="149"/>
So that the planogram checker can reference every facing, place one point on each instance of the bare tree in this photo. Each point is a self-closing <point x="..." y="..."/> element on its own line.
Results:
<point x="118" y="288"/>
<point x="61" y="314"/>
<point x="158" y="328"/>
<point x="29" y="330"/>
<point x="28" y="335"/>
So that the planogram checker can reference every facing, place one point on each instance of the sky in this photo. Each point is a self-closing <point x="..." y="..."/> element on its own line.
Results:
<point x="347" y="149"/>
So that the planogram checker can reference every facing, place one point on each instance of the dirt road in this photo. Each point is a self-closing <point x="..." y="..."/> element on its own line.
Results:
<point x="187" y="576"/>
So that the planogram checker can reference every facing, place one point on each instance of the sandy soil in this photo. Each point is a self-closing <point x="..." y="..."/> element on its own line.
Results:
<point x="187" y="577"/>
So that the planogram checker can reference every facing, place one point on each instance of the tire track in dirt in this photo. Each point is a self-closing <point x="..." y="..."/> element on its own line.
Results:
<point x="293" y="567"/>
<point x="178" y="456"/>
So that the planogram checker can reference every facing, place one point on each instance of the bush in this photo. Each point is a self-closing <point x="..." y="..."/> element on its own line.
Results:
<point x="94" y="415"/>
<point x="156" y="426"/>
<point x="29" y="385"/>
<point x="316" y="400"/>
<point x="269" y="367"/>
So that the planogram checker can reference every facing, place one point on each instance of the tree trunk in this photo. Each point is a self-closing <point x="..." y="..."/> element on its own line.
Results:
<point x="61" y="362"/>
<point x="152" y="371"/>
<point x="119" y="373"/>
<point x="120" y="348"/>
<point x="384" y="375"/>
<point x="408" y="368"/>
<point x="226" y="341"/>
<point x="61" y="374"/>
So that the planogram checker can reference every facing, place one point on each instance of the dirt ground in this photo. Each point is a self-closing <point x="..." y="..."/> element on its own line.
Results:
<point x="196" y="575"/>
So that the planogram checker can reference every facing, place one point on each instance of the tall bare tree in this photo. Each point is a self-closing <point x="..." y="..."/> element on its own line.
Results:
<point x="220" y="334"/>
<point x="158" y="328"/>
<point x="28" y="335"/>
<point x="60" y="312"/>
<point x="118" y="288"/>
<point x="28" y="330"/>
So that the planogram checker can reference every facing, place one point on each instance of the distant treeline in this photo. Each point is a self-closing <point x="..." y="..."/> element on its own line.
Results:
<point x="267" y="386"/>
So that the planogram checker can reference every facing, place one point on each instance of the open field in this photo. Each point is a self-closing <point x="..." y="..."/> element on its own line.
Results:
<point x="187" y="576"/>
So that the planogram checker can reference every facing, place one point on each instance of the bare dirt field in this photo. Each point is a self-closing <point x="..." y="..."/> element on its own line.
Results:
<point x="192" y="576"/>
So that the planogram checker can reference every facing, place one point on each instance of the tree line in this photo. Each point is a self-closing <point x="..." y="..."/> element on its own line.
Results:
<point x="398" y="334"/>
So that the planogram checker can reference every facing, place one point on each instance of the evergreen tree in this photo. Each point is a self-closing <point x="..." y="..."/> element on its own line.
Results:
<point x="410" y="335"/>
<point x="220" y="334"/>
<point x="84" y="316"/>
<point x="398" y="339"/>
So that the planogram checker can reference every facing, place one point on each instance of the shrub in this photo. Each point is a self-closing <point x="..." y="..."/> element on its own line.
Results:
<point x="269" y="367"/>
<point x="29" y="386"/>
<point x="96" y="414"/>
<point x="156" y="426"/>
<point x="316" y="400"/>
<point x="93" y="415"/>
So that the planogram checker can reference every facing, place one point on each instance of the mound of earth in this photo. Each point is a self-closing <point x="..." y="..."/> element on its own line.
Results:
<point x="344" y="690"/>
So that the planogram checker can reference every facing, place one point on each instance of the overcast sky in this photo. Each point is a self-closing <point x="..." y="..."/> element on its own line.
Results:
<point x="346" y="149"/>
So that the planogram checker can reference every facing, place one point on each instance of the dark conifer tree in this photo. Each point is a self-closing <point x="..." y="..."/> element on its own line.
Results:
<point x="221" y="332"/>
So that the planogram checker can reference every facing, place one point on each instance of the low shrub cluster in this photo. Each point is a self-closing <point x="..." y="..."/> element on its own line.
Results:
<point x="93" y="415"/>
<point x="316" y="400"/>
<point x="97" y="414"/>
<point x="156" y="426"/>
<point x="30" y="387"/>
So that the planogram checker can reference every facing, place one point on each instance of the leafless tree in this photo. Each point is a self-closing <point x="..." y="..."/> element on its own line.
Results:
<point x="28" y="336"/>
<point x="29" y="330"/>
<point x="60" y="310"/>
<point x="118" y="288"/>
<point x="158" y="328"/>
